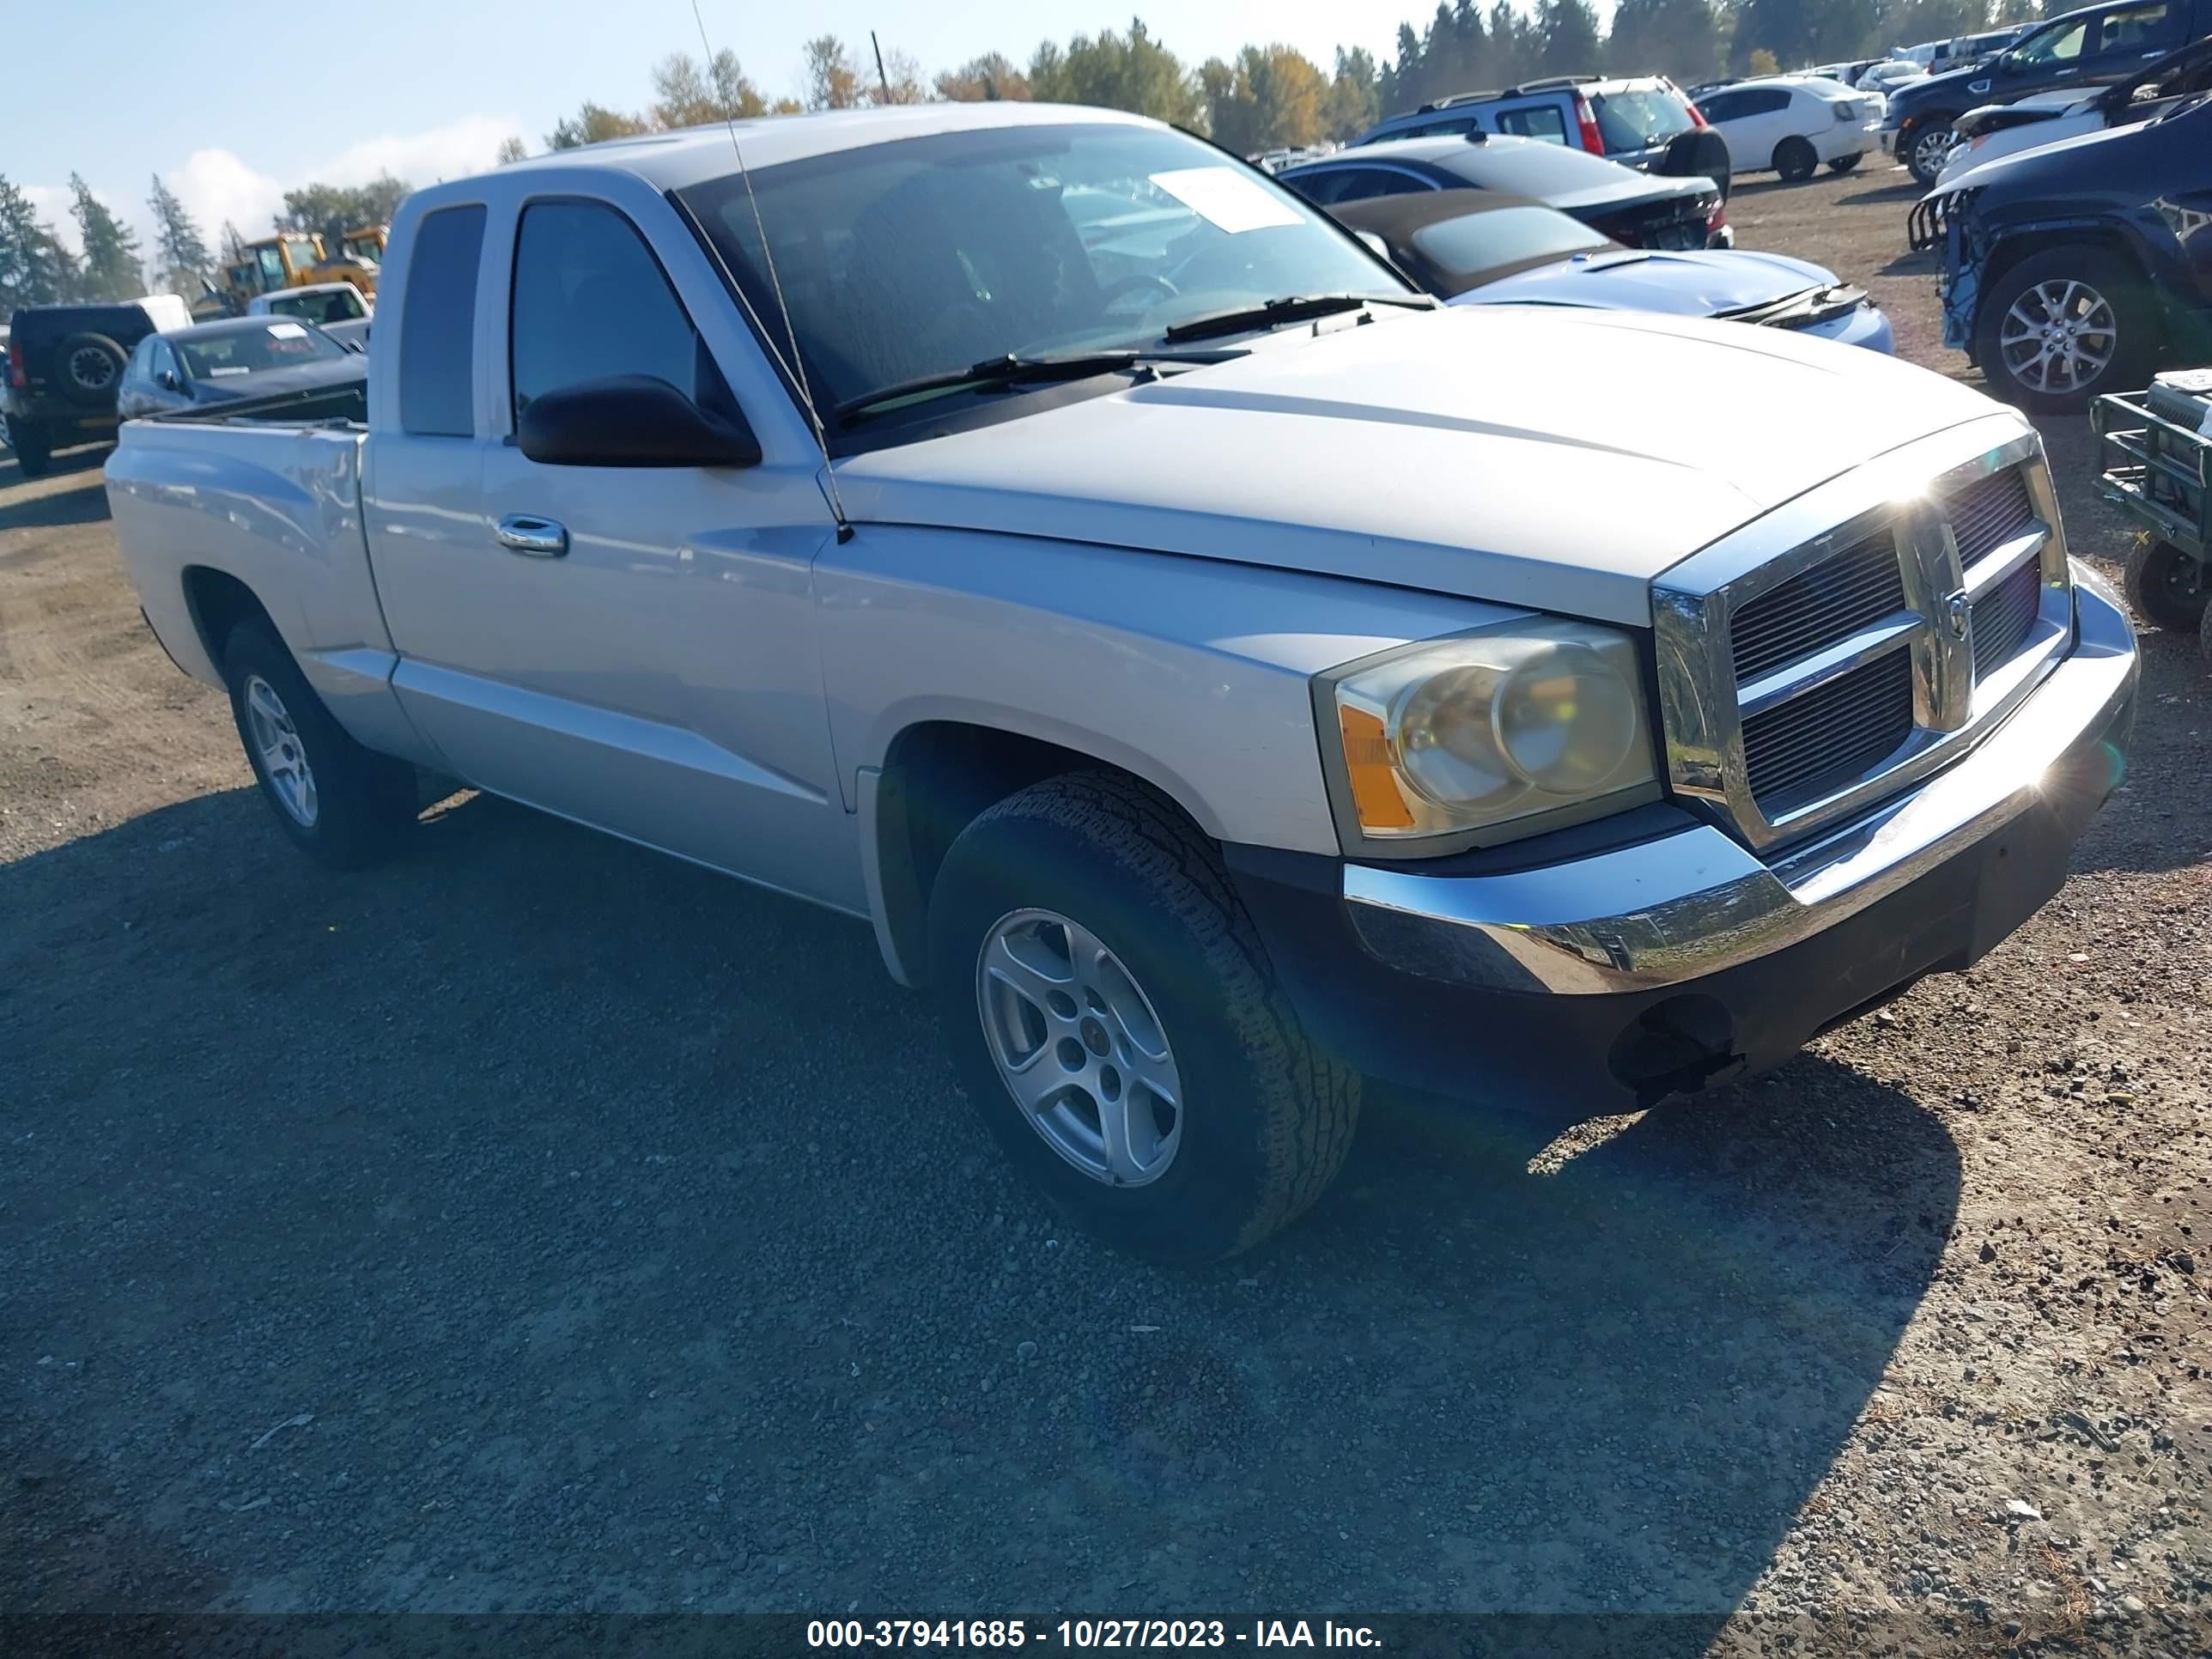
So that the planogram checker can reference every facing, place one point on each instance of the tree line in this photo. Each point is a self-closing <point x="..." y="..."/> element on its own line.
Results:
<point x="1273" y="95"/>
<point x="37" y="268"/>
<point x="1266" y="96"/>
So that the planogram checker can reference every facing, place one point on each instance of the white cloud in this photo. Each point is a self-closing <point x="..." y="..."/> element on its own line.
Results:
<point x="452" y="151"/>
<point x="214" y="186"/>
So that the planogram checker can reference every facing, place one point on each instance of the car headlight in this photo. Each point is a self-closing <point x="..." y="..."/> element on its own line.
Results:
<point x="1486" y="737"/>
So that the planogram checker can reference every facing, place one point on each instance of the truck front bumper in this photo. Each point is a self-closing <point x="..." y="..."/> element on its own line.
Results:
<point x="1595" y="983"/>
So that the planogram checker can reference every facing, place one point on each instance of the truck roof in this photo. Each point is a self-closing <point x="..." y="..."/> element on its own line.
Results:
<point x="672" y="161"/>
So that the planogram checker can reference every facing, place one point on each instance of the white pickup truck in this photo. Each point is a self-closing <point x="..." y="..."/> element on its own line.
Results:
<point x="1215" y="671"/>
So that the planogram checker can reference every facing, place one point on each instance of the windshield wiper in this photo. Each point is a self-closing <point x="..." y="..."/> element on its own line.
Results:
<point x="993" y="372"/>
<point x="1290" y="308"/>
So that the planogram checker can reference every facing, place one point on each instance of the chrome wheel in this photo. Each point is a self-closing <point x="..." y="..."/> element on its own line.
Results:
<point x="1079" y="1047"/>
<point x="1930" y="149"/>
<point x="91" y="368"/>
<point x="2058" y="336"/>
<point x="277" y="742"/>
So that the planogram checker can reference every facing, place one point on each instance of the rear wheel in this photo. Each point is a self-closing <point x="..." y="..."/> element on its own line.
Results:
<point x="2167" y="587"/>
<point x="34" y="449"/>
<point x="341" y="804"/>
<point x="1844" y="163"/>
<point x="1796" y="160"/>
<point x="2063" y="325"/>
<point x="1927" y="147"/>
<point x="1115" y="1022"/>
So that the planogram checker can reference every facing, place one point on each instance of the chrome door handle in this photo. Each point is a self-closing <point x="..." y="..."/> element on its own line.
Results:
<point x="525" y="532"/>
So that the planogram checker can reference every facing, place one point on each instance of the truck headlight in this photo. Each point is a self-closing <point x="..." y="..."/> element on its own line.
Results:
<point x="1488" y="736"/>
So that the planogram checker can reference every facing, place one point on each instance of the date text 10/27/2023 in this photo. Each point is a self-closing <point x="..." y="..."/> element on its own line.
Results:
<point x="1086" y="1633"/>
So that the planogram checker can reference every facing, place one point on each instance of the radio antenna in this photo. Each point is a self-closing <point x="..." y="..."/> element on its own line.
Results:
<point x="797" y="365"/>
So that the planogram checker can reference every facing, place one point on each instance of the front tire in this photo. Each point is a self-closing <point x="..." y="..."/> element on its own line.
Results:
<point x="344" y="805"/>
<point x="1927" y="147"/>
<point x="2167" y="587"/>
<point x="1091" y="959"/>
<point x="2063" y="325"/>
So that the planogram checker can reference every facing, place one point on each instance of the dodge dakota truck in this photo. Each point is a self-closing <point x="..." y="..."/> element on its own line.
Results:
<point x="1217" y="673"/>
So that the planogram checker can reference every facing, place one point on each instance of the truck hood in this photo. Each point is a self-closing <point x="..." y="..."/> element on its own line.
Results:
<point x="1690" y="283"/>
<point x="1554" y="458"/>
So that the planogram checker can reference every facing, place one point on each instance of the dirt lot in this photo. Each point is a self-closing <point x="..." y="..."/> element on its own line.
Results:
<point x="539" y="1225"/>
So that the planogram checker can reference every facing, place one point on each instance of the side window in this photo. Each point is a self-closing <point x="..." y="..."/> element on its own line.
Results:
<point x="141" y="365"/>
<point x="160" y="357"/>
<point x="437" y="330"/>
<point x="1362" y="183"/>
<point x="1541" y="121"/>
<point x="2136" y="28"/>
<point x="590" y="301"/>
<point x="2060" y="46"/>
<point x="1720" y="107"/>
<point x="1768" y="100"/>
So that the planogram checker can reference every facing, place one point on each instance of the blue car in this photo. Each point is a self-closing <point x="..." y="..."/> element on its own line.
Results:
<point x="1483" y="247"/>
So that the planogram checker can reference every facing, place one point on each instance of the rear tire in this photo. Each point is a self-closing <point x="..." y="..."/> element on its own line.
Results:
<point x="2165" y="585"/>
<point x="2099" y="297"/>
<point x="1092" y="882"/>
<point x="1844" y="163"/>
<point x="34" y="450"/>
<point x="344" y="805"/>
<point x="1796" y="160"/>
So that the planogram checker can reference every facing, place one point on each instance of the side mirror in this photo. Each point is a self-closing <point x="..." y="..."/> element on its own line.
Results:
<point x="631" y="420"/>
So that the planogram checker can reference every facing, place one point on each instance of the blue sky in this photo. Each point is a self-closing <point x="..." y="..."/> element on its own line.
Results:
<point x="428" y="87"/>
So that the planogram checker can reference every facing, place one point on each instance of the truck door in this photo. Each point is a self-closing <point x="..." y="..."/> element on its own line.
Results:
<point x="631" y="647"/>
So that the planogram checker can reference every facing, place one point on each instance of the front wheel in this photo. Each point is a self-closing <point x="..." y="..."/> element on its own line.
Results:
<point x="1115" y="1019"/>
<point x="1796" y="160"/>
<point x="1843" y="163"/>
<point x="1928" y="147"/>
<point x="2167" y="587"/>
<point x="2063" y="325"/>
<point x="342" y="805"/>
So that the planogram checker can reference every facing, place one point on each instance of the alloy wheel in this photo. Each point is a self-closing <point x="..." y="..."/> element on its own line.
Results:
<point x="2058" y="336"/>
<point x="283" y="762"/>
<point x="1080" y="1047"/>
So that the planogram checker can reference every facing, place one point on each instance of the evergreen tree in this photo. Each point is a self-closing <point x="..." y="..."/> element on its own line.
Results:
<point x="177" y="240"/>
<point x="1567" y="37"/>
<point x="35" y="269"/>
<point x="111" y="252"/>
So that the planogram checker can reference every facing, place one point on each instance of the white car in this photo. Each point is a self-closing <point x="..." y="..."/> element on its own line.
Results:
<point x="1888" y="75"/>
<point x="1793" y="124"/>
<point x="321" y="303"/>
<point x="2045" y="117"/>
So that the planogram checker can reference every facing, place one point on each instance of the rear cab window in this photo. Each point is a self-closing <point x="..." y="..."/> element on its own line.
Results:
<point x="437" y="330"/>
<point x="1542" y="121"/>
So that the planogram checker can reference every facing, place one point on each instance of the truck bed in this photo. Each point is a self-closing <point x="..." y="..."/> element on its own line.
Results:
<point x="276" y="505"/>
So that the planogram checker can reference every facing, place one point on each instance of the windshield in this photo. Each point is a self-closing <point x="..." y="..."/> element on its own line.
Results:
<point x="905" y="260"/>
<point x="1639" y="119"/>
<point x="339" y="305"/>
<point x="1476" y="242"/>
<point x="224" y="354"/>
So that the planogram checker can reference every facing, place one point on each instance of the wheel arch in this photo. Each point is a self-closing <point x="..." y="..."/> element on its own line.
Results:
<point x="217" y="602"/>
<point x="936" y="777"/>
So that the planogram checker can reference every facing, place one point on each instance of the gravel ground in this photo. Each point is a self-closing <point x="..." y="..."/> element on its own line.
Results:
<point x="539" y="1225"/>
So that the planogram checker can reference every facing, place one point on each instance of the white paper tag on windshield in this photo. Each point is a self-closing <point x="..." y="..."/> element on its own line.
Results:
<point x="286" y="332"/>
<point x="1226" y="198"/>
<point x="228" y="368"/>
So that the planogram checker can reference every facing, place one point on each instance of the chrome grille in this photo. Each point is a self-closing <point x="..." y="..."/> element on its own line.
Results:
<point x="2004" y="616"/>
<point x="1988" y="513"/>
<point x="1847" y="727"/>
<point x="1820" y="605"/>
<point x="1836" y="651"/>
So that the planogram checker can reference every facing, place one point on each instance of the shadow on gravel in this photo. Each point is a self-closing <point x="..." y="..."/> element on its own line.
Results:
<point x="80" y="503"/>
<point x="73" y="459"/>
<point x="535" y="1224"/>
<point x="1907" y="191"/>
